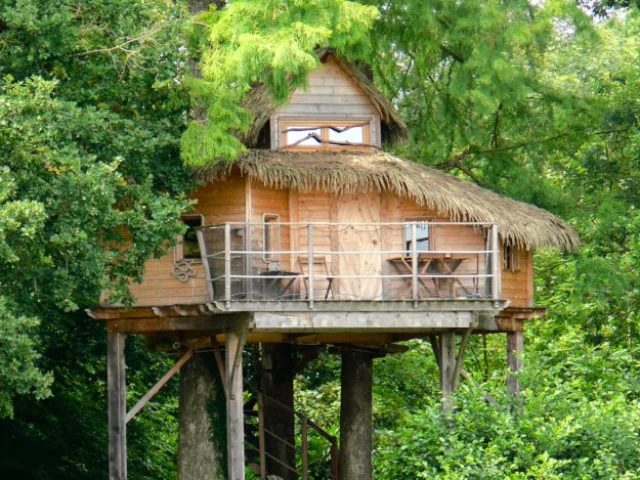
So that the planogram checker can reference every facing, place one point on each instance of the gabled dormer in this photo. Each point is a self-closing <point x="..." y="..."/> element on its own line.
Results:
<point x="340" y="109"/>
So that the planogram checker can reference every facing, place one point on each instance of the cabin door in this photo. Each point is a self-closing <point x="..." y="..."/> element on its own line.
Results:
<point x="358" y="209"/>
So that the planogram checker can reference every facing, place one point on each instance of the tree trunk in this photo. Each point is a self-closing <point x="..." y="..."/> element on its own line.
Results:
<point x="198" y="458"/>
<point x="198" y="6"/>
<point x="277" y="383"/>
<point x="356" y="422"/>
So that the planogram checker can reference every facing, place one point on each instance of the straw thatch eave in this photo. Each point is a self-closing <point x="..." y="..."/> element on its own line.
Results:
<point x="519" y="223"/>
<point x="260" y="104"/>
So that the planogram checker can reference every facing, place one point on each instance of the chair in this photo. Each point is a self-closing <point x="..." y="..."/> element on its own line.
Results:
<point x="321" y="262"/>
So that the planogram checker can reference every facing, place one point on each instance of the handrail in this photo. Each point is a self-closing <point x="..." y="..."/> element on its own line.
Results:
<point x="354" y="224"/>
<point x="236" y="269"/>
<point x="305" y="424"/>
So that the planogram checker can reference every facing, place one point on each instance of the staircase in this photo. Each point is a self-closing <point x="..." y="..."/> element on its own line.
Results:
<point x="255" y="434"/>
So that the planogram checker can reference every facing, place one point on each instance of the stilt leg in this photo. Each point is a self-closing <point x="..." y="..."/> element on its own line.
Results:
<point x="447" y="368"/>
<point x="515" y="347"/>
<point x="117" y="406"/>
<point x="234" y="344"/>
<point x="356" y="432"/>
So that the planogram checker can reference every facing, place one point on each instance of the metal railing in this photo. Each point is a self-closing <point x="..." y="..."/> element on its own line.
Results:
<point x="320" y="261"/>
<point x="306" y="425"/>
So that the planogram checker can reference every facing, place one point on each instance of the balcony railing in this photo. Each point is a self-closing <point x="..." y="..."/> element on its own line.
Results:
<point x="311" y="262"/>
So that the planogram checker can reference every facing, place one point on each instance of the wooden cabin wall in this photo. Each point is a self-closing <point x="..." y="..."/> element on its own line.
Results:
<point x="331" y="95"/>
<point x="314" y="207"/>
<point x="219" y="202"/>
<point x="518" y="286"/>
<point x="358" y="208"/>
<point x="264" y="200"/>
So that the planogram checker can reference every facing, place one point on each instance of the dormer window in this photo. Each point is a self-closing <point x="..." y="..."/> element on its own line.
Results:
<point x="315" y="135"/>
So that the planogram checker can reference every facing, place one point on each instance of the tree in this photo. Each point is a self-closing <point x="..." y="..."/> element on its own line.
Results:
<point x="92" y="108"/>
<point x="270" y="42"/>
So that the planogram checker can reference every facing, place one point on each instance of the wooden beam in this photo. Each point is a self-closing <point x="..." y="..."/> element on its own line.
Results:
<point x="169" y="324"/>
<point x="345" y="322"/>
<point x="220" y="363"/>
<point x="165" y="378"/>
<point x="455" y="381"/>
<point x="489" y="307"/>
<point x="117" y="405"/>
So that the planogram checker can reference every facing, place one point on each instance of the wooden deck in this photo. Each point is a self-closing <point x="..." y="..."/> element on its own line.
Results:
<point x="332" y="322"/>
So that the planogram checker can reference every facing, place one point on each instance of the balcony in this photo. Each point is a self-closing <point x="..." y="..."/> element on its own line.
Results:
<point x="321" y="266"/>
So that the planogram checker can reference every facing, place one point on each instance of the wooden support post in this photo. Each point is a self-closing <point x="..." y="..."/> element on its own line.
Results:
<point x="447" y="367"/>
<point x="305" y="448"/>
<point x="261" y="439"/>
<point x="117" y="406"/>
<point x="356" y="430"/>
<point x="277" y="385"/>
<point x="457" y="372"/>
<point x="335" y="459"/>
<point x="234" y="343"/>
<point x="515" y="347"/>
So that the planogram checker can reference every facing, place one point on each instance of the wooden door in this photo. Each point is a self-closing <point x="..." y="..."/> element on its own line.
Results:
<point x="357" y="209"/>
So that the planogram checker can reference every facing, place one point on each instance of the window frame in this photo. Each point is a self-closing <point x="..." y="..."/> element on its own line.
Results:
<point x="267" y="255"/>
<point x="178" y="251"/>
<point x="429" y="219"/>
<point x="324" y="125"/>
<point x="510" y="258"/>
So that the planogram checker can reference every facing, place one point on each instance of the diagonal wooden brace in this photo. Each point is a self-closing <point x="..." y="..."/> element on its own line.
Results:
<point x="162" y="382"/>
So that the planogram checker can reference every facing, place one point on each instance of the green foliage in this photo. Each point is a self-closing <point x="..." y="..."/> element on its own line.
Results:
<point x="272" y="42"/>
<point x="19" y="374"/>
<point x="92" y="107"/>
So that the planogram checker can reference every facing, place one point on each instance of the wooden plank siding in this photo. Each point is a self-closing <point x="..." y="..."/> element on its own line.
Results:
<point x="331" y="94"/>
<point x="518" y="286"/>
<point x="227" y="201"/>
<point x="219" y="202"/>
<point x="269" y="201"/>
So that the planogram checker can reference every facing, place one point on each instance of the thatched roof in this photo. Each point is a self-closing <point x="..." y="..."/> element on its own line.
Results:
<point x="519" y="223"/>
<point x="261" y="106"/>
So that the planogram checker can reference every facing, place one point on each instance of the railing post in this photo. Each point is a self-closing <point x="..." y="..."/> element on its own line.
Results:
<point x="310" y="270"/>
<point x="227" y="264"/>
<point x="335" y="462"/>
<point x="204" y="254"/>
<point x="261" y="440"/>
<point x="248" y="261"/>
<point x="305" y="448"/>
<point x="495" y="263"/>
<point x="414" y="263"/>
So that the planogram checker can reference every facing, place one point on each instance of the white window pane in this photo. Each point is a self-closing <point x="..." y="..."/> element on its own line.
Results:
<point x="302" y="136"/>
<point x="422" y="237"/>
<point x="352" y="135"/>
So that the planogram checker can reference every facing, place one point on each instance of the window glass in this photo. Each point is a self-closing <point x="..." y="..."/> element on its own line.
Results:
<point x="353" y="135"/>
<point x="190" y="247"/>
<point x="423" y="233"/>
<point x="304" y="136"/>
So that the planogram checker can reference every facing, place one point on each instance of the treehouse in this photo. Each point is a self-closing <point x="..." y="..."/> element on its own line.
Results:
<point x="317" y="237"/>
